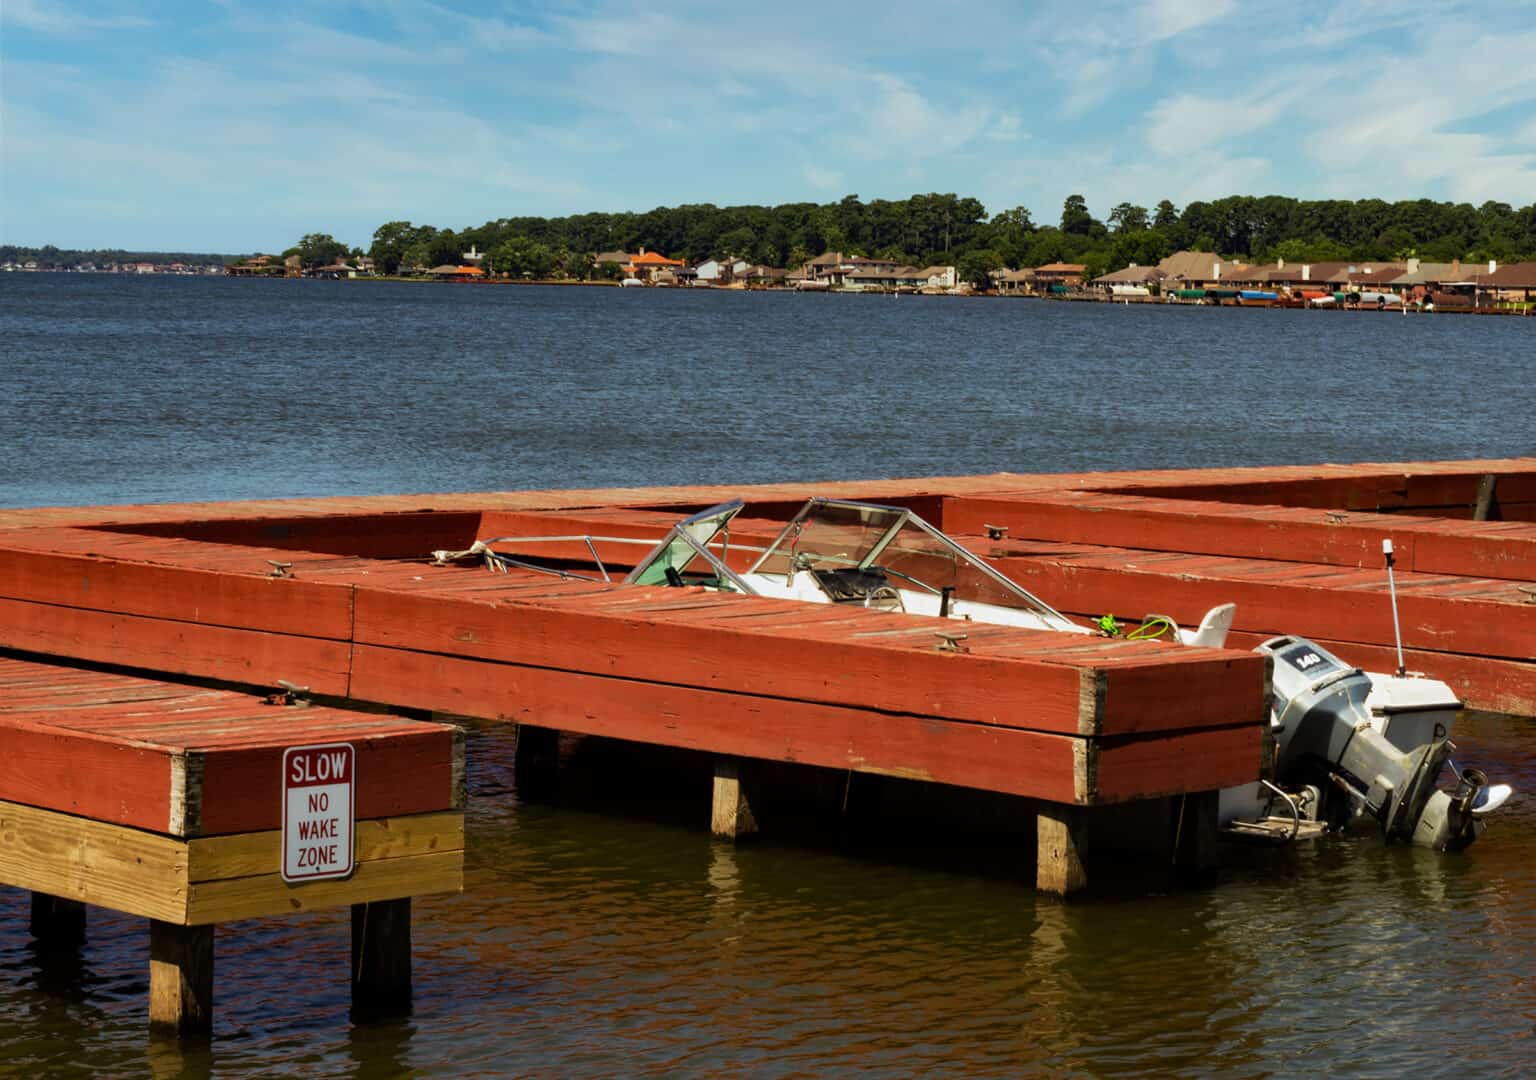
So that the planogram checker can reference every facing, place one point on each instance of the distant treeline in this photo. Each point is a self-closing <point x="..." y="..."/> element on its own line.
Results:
<point x="950" y="229"/>
<point x="69" y="258"/>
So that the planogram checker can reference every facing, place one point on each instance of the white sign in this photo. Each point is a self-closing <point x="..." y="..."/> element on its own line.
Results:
<point x="318" y="785"/>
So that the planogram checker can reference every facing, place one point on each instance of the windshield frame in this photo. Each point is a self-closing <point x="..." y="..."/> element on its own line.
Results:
<point x="903" y="517"/>
<point x="690" y="537"/>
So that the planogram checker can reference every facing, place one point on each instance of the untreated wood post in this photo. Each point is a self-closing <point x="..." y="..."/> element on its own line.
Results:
<point x="381" y="955"/>
<point x="1194" y="842"/>
<point x="1061" y="847"/>
<point x="731" y="815"/>
<point x="57" y="922"/>
<point x="180" y="978"/>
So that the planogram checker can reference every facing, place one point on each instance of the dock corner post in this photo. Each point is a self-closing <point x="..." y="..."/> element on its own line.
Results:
<point x="731" y="814"/>
<point x="56" y="922"/>
<point x="381" y="956"/>
<point x="1194" y="843"/>
<point x="1061" y="848"/>
<point x="180" y="978"/>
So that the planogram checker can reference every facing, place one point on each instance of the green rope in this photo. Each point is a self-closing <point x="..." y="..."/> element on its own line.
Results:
<point x="1153" y="627"/>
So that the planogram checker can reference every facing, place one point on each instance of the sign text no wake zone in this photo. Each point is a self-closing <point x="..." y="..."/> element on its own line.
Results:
<point x="319" y="783"/>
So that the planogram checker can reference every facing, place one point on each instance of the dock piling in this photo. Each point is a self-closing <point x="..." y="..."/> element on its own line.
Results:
<point x="1196" y="832"/>
<point x="180" y="978"/>
<point x="535" y="760"/>
<point x="1061" y="848"/>
<point x="731" y="816"/>
<point x="381" y="956"/>
<point x="56" y="922"/>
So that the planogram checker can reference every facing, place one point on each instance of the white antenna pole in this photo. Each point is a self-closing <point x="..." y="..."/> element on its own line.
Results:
<point x="1397" y="632"/>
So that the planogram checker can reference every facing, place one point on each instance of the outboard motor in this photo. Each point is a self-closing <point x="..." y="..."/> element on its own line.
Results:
<point x="1328" y="746"/>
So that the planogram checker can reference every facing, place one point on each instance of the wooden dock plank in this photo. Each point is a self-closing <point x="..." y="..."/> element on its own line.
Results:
<point x="110" y="780"/>
<point x="254" y="854"/>
<point x="230" y="899"/>
<point x="1020" y="762"/>
<point x="235" y="655"/>
<point x="1360" y="613"/>
<point x="93" y="862"/>
<point x="734" y="656"/>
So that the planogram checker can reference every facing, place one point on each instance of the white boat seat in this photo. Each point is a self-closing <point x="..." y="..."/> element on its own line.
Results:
<point x="1212" y="631"/>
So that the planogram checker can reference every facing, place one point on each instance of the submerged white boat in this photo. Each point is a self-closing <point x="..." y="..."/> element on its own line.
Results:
<point x="1350" y="744"/>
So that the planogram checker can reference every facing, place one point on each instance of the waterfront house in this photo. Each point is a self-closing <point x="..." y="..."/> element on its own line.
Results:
<point x="1370" y="276"/>
<point x="1293" y="276"/>
<point x="646" y="265"/>
<point x="1132" y="281"/>
<point x="334" y="272"/>
<point x="763" y="276"/>
<point x="1059" y="275"/>
<point x="256" y="266"/>
<point x="449" y="272"/>
<point x="819" y="268"/>
<point x="1513" y="283"/>
<point x="1015" y="282"/>
<point x="1423" y="277"/>
<point x="721" y="271"/>
<point x="618" y="258"/>
<point x="1200" y="270"/>
<point x="939" y="277"/>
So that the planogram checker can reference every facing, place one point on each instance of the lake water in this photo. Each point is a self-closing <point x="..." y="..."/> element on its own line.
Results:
<point x="601" y="932"/>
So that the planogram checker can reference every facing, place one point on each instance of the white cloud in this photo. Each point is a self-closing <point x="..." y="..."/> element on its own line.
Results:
<point x="823" y="179"/>
<point x="1178" y="125"/>
<point x="1160" y="20"/>
<point x="1007" y="128"/>
<point x="58" y="18"/>
<point x="1412" y="128"/>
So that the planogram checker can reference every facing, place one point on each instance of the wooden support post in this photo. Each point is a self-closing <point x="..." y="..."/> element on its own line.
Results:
<point x="56" y="922"/>
<point x="731" y="815"/>
<point x="1487" y="507"/>
<point x="536" y="761"/>
<point x="381" y="956"/>
<point x="1194" y="841"/>
<point x="1061" y="848"/>
<point x="180" y="978"/>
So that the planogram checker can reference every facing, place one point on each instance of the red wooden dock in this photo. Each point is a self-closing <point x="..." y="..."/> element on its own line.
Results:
<point x="168" y="801"/>
<point x="337" y="595"/>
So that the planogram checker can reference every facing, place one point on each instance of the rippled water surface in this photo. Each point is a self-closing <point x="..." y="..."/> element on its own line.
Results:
<point x="601" y="932"/>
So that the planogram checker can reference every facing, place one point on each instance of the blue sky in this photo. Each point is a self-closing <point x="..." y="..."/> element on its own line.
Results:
<point x="237" y="127"/>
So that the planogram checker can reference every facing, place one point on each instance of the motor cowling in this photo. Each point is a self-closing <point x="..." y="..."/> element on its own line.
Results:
<point x="1325" y="738"/>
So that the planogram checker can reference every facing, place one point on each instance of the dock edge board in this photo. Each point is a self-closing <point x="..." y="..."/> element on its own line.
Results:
<point x="215" y="879"/>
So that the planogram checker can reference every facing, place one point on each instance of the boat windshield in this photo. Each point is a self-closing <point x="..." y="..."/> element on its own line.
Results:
<point x="831" y="534"/>
<point x="683" y="556"/>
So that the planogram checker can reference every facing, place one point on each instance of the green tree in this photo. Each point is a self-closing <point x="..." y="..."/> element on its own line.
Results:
<point x="521" y="257"/>
<point x="320" y="249"/>
<point x="390" y="242"/>
<point x="737" y="244"/>
<point x="1165" y="216"/>
<point x="418" y="256"/>
<point x="1075" y="218"/>
<point x="1127" y="217"/>
<point x="577" y="265"/>
<point x="975" y="267"/>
